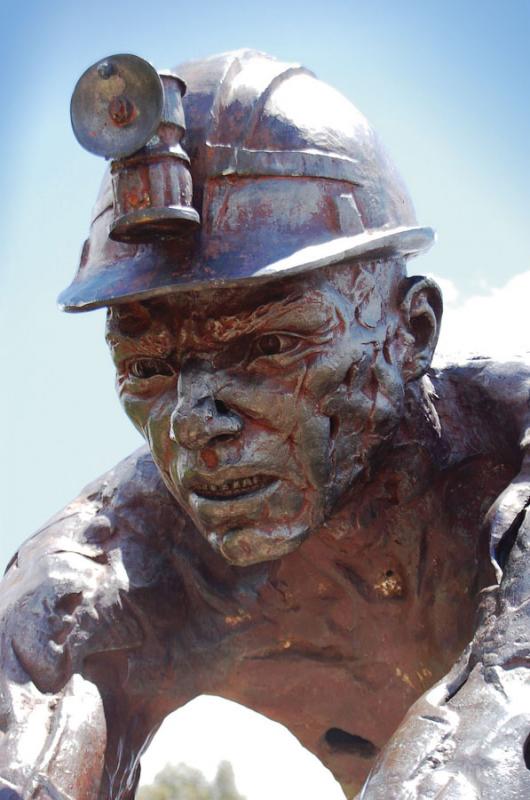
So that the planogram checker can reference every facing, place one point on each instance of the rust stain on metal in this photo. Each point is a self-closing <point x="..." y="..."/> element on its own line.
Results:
<point x="121" y="111"/>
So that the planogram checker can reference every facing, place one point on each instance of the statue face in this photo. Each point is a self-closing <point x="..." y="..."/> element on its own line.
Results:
<point x="262" y="406"/>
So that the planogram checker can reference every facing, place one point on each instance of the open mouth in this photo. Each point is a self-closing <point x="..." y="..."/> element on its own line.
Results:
<point x="228" y="490"/>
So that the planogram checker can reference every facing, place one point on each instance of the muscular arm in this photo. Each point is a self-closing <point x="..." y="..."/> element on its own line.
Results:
<point x="73" y="638"/>
<point x="505" y="388"/>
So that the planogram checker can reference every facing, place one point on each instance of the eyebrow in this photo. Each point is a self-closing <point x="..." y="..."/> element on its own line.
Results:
<point x="309" y="314"/>
<point x="312" y="313"/>
<point x="156" y="341"/>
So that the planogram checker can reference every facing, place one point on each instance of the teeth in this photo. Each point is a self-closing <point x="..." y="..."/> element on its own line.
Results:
<point x="232" y="488"/>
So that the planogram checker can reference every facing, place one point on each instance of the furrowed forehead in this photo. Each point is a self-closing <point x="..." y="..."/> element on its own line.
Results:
<point x="302" y="312"/>
<point x="164" y="329"/>
<point x="221" y="314"/>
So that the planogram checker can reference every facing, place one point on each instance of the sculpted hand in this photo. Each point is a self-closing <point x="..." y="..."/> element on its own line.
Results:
<point x="53" y="746"/>
<point x="463" y="740"/>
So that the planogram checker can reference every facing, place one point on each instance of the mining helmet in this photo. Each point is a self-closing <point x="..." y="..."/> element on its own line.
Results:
<point x="274" y="173"/>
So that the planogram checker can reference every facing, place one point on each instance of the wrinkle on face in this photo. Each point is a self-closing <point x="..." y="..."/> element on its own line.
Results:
<point x="154" y="338"/>
<point x="313" y="317"/>
<point x="314" y="416"/>
<point x="312" y="314"/>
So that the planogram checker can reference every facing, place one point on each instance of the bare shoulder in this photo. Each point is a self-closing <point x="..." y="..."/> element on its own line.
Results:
<point x="503" y="385"/>
<point x="125" y="504"/>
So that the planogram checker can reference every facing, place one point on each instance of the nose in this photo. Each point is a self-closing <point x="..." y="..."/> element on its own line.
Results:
<point x="199" y="418"/>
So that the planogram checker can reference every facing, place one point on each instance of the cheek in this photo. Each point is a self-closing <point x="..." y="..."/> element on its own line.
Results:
<point x="271" y="398"/>
<point x="311" y="445"/>
<point x="152" y="419"/>
<point x="365" y="414"/>
<point x="136" y="410"/>
<point x="335" y="366"/>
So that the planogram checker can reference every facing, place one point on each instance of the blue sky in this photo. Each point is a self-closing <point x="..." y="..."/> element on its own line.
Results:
<point x="446" y="84"/>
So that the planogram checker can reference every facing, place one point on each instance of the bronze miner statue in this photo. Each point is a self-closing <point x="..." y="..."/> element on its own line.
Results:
<point x="321" y="527"/>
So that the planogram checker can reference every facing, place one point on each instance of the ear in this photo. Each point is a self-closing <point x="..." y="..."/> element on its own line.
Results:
<point x="421" y="315"/>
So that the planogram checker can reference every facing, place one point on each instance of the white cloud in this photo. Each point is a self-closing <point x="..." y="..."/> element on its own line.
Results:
<point x="496" y="323"/>
<point x="449" y="290"/>
<point x="268" y="761"/>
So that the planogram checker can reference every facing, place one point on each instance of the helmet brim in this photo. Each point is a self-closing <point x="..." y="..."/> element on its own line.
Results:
<point x="155" y="276"/>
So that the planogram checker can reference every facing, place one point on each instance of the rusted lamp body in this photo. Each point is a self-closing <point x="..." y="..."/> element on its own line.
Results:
<point x="124" y="110"/>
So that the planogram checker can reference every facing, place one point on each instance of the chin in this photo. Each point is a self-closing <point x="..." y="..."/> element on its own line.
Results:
<point x="243" y="547"/>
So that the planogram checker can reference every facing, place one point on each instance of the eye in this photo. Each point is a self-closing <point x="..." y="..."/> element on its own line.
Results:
<point x="145" y="368"/>
<point x="270" y="344"/>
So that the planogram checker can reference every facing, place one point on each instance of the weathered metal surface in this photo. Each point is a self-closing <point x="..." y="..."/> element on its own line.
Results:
<point x="121" y="108"/>
<point x="287" y="176"/>
<point x="153" y="190"/>
<point x="116" y="106"/>
<point x="335" y="640"/>
<point x="316" y="523"/>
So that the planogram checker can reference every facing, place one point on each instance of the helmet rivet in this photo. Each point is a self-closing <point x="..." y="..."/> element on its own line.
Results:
<point x="106" y="70"/>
